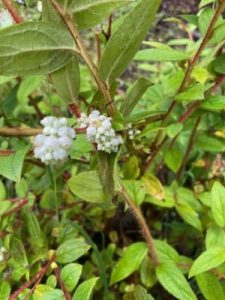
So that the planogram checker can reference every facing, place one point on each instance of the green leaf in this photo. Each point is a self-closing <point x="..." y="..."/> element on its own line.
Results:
<point x="34" y="48"/>
<point x="219" y="64"/>
<point x="11" y="165"/>
<point x="205" y="2"/>
<point x="88" y="186"/>
<point x="4" y="290"/>
<point x="153" y="186"/>
<point x="67" y="81"/>
<point x="126" y="40"/>
<point x="189" y="215"/>
<point x="140" y="293"/>
<point x="130" y="261"/>
<point x="85" y="290"/>
<point x="135" y="189"/>
<point x="51" y="295"/>
<point x="214" y="103"/>
<point x="37" y="238"/>
<point x="209" y="144"/>
<point x="18" y="259"/>
<point x="215" y="237"/>
<point x="27" y="86"/>
<point x="174" y="129"/>
<point x="172" y="279"/>
<point x="70" y="276"/>
<point x="88" y="13"/>
<point x="165" y="251"/>
<point x="218" y="204"/>
<point x="210" y="286"/>
<point x="208" y="260"/>
<point x="105" y="167"/>
<point x="167" y="54"/>
<point x="71" y="250"/>
<point x="173" y="158"/>
<point x="21" y="188"/>
<point x="2" y="191"/>
<point x="191" y="93"/>
<point x="133" y="95"/>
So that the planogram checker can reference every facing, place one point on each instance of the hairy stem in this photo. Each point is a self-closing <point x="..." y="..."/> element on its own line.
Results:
<point x="61" y="284"/>
<point x="67" y="19"/>
<point x="143" y="226"/>
<point x="13" y="12"/>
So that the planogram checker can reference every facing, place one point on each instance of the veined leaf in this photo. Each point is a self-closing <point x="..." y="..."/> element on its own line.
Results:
<point x="133" y="95"/>
<point x="208" y="260"/>
<point x="210" y="286"/>
<point x="126" y="40"/>
<point x="218" y="204"/>
<point x="172" y="279"/>
<point x="34" y="48"/>
<point x="89" y="13"/>
<point x="161" y="55"/>
<point x="130" y="261"/>
<point x="11" y="166"/>
<point x="67" y="81"/>
<point x="85" y="289"/>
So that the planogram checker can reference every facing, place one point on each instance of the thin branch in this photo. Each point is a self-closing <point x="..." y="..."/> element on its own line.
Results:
<point x="85" y="55"/>
<point x="39" y="275"/>
<point x="143" y="226"/>
<point x="15" y="209"/>
<point x="61" y="284"/>
<point x="13" y="12"/>
<point x="8" y="131"/>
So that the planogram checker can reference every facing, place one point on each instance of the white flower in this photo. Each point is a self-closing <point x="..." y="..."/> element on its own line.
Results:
<point x="132" y="133"/>
<point x="55" y="142"/>
<point x="99" y="131"/>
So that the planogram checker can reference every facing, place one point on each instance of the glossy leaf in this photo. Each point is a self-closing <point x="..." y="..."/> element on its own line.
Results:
<point x="130" y="261"/>
<point x="70" y="276"/>
<point x="218" y="204"/>
<point x="71" y="250"/>
<point x="208" y="260"/>
<point x="85" y="289"/>
<point x="172" y="279"/>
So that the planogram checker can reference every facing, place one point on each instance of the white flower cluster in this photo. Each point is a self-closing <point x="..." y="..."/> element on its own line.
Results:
<point x="99" y="130"/>
<point x="132" y="132"/>
<point x="54" y="144"/>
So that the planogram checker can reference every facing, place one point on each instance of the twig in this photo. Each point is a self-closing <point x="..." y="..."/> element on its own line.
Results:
<point x="6" y="152"/>
<point x="108" y="33"/>
<point x="15" y="209"/>
<point x="7" y="131"/>
<point x="85" y="55"/>
<point x="33" y="280"/>
<point x="10" y="7"/>
<point x="143" y="226"/>
<point x="61" y="284"/>
<point x="188" y="150"/>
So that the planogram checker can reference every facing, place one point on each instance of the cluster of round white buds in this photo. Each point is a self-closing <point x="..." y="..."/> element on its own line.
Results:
<point x="132" y="132"/>
<point x="99" y="131"/>
<point x="54" y="144"/>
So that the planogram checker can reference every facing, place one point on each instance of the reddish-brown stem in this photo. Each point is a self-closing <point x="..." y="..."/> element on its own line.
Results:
<point x="10" y="7"/>
<point x="143" y="226"/>
<point x="108" y="33"/>
<point x="33" y="280"/>
<point x="6" y="152"/>
<point x="75" y="110"/>
<point x="37" y="109"/>
<point x="61" y="284"/>
<point x="188" y="150"/>
<point x="15" y="209"/>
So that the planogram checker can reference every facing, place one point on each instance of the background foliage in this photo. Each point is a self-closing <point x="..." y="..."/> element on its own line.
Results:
<point x="144" y="223"/>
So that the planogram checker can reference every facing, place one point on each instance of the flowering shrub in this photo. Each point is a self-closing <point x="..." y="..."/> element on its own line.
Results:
<point x="111" y="151"/>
